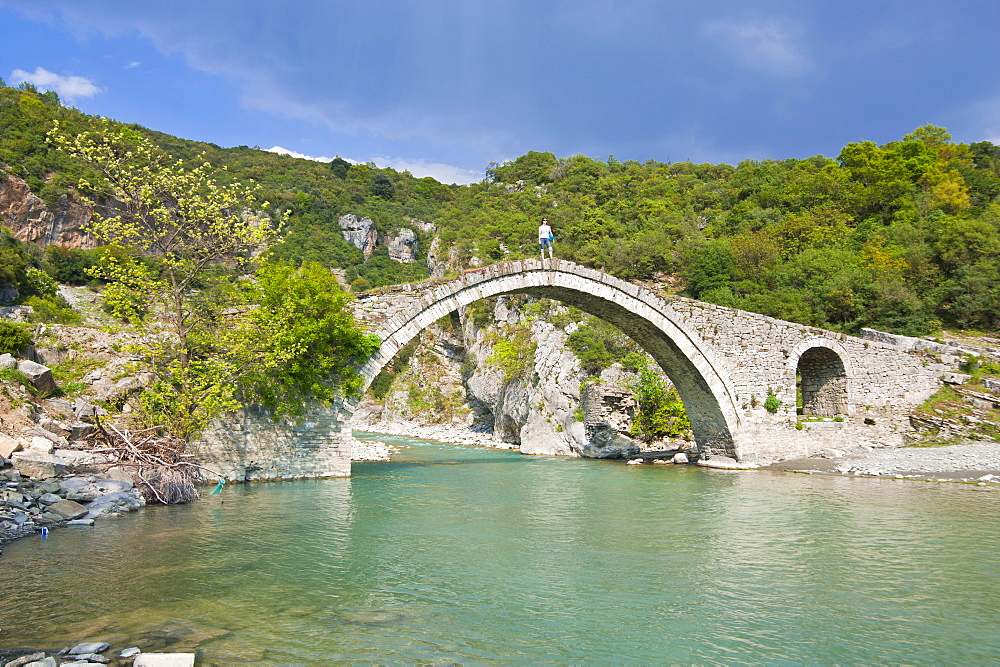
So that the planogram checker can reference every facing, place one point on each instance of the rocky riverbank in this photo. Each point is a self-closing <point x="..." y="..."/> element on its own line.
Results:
<point x="442" y="433"/>
<point x="972" y="462"/>
<point x="93" y="653"/>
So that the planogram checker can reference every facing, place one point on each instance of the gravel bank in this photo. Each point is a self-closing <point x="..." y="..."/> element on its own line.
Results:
<point x="967" y="463"/>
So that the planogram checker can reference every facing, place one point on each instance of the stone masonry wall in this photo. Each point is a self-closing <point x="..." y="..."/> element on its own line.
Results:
<point x="250" y="445"/>
<point x="763" y="352"/>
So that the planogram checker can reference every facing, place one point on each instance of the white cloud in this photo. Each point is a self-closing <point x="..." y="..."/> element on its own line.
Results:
<point x="763" y="45"/>
<point x="67" y="87"/>
<point x="133" y="64"/>
<point x="285" y="151"/>
<point x="443" y="173"/>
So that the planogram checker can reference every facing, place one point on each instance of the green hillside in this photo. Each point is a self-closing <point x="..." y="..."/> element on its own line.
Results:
<point x="903" y="237"/>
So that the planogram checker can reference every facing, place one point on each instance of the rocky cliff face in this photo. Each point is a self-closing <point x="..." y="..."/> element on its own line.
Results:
<point x="363" y="233"/>
<point x="359" y="231"/>
<point x="30" y="220"/>
<point x="402" y="245"/>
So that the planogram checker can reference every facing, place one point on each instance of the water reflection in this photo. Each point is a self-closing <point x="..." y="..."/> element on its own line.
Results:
<point x="469" y="555"/>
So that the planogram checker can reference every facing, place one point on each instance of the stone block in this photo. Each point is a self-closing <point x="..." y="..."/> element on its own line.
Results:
<point x="80" y="461"/>
<point x="38" y="375"/>
<point x="80" y="430"/>
<point x="68" y="509"/>
<point x="7" y="361"/>
<point x="9" y="445"/>
<point x="112" y="504"/>
<point x="955" y="378"/>
<point x="40" y="444"/>
<point x="38" y="464"/>
<point x="89" y="647"/>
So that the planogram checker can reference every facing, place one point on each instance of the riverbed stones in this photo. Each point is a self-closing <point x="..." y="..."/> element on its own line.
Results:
<point x="68" y="509"/>
<point x="113" y="504"/>
<point x="88" y="647"/>
<point x="80" y="522"/>
<point x="90" y="659"/>
<point x="129" y="653"/>
<point x="49" y="498"/>
<point x="44" y="662"/>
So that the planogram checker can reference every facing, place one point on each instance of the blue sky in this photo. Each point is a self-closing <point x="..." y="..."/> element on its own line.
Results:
<point x="444" y="87"/>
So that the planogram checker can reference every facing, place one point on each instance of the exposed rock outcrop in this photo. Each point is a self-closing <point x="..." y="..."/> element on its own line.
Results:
<point x="402" y="246"/>
<point x="31" y="221"/>
<point x="363" y="233"/>
<point x="360" y="232"/>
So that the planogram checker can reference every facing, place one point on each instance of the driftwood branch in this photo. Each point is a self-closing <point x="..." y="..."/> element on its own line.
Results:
<point x="158" y="463"/>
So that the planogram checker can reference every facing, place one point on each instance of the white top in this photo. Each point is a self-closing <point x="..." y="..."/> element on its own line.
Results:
<point x="544" y="231"/>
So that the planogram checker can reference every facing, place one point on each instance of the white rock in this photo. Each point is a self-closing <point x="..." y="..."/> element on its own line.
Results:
<point x="41" y="444"/>
<point x="8" y="445"/>
<point x="38" y="464"/>
<point x="722" y="462"/>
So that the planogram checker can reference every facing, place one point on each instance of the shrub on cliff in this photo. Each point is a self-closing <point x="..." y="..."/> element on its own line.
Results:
<point x="13" y="337"/>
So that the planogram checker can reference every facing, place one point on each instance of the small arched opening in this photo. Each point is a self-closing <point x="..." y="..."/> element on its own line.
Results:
<point x="822" y="383"/>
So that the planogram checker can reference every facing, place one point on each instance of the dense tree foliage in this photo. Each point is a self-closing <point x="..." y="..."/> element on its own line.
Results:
<point x="903" y="236"/>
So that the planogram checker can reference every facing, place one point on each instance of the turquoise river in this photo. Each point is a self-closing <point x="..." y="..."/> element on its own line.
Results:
<point x="468" y="555"/>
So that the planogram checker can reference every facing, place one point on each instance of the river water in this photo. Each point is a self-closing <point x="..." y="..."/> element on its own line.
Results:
<point x="458" y="554"/>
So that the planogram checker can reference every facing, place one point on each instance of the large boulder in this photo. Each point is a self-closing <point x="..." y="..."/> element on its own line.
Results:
<point x="81" y="461"/>
<point x="37" y="464"/>
<point x="605" y="442"/>
<point x="38" y="375"/>
<point x="113" y="504"/>
<point x="67" y="509"/>
<point x="402" y="246"/>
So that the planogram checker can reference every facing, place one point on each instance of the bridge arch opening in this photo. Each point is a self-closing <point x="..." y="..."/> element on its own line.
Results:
<point x="679" y="351"/>
<point x="822" y="382"/>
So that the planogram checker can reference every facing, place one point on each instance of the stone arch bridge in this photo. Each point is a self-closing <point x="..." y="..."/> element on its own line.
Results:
<point x="724" y="362"/>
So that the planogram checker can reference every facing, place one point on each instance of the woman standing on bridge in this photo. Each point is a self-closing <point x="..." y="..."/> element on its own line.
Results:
<point x="545" y="237"/>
